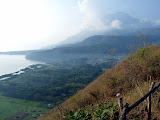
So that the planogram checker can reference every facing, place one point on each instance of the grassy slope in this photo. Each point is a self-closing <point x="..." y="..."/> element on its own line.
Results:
<point x="137" y="70"/>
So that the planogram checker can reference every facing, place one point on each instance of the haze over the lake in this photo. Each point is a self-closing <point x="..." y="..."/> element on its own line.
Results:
<point x="13" y="63"/>
<point x="34" y="24"/>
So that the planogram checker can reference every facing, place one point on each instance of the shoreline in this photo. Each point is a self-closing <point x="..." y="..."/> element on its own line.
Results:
<point x="21" y="71"/>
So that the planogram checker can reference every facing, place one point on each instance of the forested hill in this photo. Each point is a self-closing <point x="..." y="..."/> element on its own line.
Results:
<point x="91" y="47"/>
<point x="130" y="79"/>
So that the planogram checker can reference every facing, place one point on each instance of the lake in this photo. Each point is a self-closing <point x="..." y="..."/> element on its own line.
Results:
<point x="13" y="63"/>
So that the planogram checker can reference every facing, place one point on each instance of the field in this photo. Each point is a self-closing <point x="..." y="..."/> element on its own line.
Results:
<point x="17" y="108"/>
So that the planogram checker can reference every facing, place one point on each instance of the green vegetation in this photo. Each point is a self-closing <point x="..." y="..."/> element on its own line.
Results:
<point x="105" y="112"/>
<point x="79" y="115"/>
<point x="54" y="83"/>
<point x="11" y="106"/>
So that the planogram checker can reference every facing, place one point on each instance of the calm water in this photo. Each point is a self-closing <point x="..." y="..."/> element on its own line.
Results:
<point x="13" y="63"/>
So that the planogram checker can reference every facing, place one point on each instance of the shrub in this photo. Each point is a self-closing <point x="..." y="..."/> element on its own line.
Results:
<point x="101" y="113"/>
<point x="79" y="115"/>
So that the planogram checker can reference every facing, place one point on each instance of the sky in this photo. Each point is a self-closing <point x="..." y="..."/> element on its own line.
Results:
<point x="34" y="24"/>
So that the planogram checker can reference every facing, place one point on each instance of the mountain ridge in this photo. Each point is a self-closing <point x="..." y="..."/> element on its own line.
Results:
<point x="127" y="24"/>
<point x="93" y="46"/>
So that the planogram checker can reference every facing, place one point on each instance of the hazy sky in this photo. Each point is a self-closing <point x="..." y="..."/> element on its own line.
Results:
<point x="32" y="24"/>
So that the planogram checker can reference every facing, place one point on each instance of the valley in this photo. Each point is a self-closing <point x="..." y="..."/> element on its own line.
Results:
<point x="68" y="70"/>
<point x="72" y="60"/>
<point x="48" y="84"/>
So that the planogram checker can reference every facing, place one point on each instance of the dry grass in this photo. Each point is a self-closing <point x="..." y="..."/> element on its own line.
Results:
<point x="130" y="78"/>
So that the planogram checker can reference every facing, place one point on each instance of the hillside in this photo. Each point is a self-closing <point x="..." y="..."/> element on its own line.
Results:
<point x="93" y="47"/>
<point x="126" y="78"/>
<point x="147" y="31"/>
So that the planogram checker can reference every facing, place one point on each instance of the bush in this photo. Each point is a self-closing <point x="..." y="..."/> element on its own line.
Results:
<point x="101" y="113"/>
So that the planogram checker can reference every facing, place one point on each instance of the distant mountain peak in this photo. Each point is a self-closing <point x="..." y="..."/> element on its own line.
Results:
<point x="118" y="24"/>
<point x="126" y="20"/>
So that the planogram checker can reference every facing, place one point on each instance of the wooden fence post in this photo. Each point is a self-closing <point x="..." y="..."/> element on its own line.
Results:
<point x="127" y="109"/>
<point x="149" y="101"/>
<point x="120" y="102"/>
<point x="124" y="112"/>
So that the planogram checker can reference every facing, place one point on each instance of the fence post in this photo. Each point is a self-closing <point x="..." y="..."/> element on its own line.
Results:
<point x="149" y="101"/>
<point x="124" y="112"/>
<point x="120" y="102"/>
<point x="127" y="109"/>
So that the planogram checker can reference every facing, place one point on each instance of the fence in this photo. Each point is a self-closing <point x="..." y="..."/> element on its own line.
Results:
<point x="124" y="110"/>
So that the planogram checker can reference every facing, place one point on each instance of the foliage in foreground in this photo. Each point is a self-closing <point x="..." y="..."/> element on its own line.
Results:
<point x="102" y="113"/>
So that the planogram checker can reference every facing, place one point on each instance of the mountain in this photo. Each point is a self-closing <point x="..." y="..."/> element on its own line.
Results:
<point x="95" y="43"/>
<point x="121" y="16"/>
<point x="94" y="46"/>
<point x="130" y="79"/>
<point x="91" y="47"/>
<point x="77" y="38"/>
<point x="146" y="31"/>
<point x="127" y="24"/>
<point x="126" y="21"/>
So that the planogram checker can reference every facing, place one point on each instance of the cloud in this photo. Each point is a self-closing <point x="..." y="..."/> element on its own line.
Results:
<point x="82" y="4"/>
<point x="116" y="24"/>
<point x="92" y="21"/>
<point x="144" y="20"/>
<point x="157" y="22"/>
